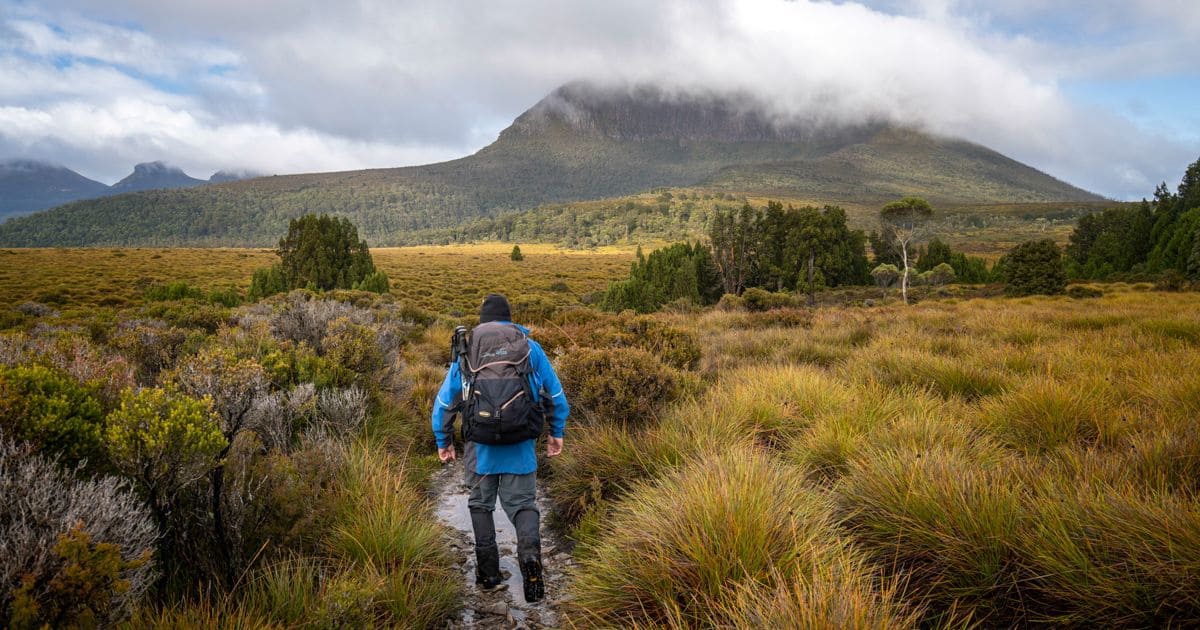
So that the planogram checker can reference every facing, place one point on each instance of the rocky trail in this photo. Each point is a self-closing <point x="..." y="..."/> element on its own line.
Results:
<point x="506" y="608"/>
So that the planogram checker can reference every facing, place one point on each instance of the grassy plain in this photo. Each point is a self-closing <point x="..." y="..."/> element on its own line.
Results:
<point x="437" y="278"/>
<point x="965" y="460"/>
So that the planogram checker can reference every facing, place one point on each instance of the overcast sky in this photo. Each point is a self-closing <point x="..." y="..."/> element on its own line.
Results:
<point x="1104" y="94"/>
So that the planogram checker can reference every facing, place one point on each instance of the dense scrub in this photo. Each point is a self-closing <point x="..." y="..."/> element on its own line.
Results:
<point x="176" y="472"/>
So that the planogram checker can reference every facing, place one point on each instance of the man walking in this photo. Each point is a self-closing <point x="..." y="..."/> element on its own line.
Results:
<point x="504" y="387"/>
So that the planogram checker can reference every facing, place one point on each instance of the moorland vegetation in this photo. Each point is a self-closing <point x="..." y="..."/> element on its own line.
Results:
<point x="187" y="458"/>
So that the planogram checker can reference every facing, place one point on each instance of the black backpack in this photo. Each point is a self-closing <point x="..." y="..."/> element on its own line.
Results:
<point x="498" y="405"/>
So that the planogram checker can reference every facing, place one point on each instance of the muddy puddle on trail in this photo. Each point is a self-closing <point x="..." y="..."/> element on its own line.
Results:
<point x="506" y="608"/>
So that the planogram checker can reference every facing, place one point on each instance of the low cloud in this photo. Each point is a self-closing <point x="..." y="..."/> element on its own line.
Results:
<point x="297" y="86"/>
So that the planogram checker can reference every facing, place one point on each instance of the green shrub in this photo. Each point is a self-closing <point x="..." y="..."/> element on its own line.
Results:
<point x="885" y="275"/>
<point x="1035" y="267"/>
<point x="228" y="297"/>
<point x="83" y="592"/>
<point x="352" y="346"/>
<point x="11" y="319"/>
<point x="172" y="291"/>
<point x="676" y="347"/>
<point x="376" y="282"/>
<point x="76" y="551"/>
<point x="516" y="255"/>
<point x="54" y="412"/>
<point x="165" y="441"/>
<point x="266" y="282"/>
<point x="679" y="272"/>
<point x="189" y="314"/>
<point x="757" y="299"/>
<point x="1079" y="292"/>
<point x="150" y="345"/>
<point x="623" y="385"/>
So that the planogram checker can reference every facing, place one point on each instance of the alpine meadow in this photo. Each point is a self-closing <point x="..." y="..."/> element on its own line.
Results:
<point x="903" y="333"/>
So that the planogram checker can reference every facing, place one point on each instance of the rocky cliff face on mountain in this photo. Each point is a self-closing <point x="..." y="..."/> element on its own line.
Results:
<point x="645" y="113"/>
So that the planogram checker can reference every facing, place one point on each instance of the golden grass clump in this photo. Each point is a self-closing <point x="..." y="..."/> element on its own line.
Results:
<point x="943" y="521"/>
<point x="676" y="552"/>
<point x="1101" y="554"/>
<point x="1044" y="414"/>
<point x="901" y="365"/>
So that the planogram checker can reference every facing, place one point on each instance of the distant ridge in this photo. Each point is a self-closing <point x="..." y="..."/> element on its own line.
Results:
<point x="153" y="175"/>
<point x="29" y="185"/>
<point x="580" y="142"/>
<point x="224" y="176"/>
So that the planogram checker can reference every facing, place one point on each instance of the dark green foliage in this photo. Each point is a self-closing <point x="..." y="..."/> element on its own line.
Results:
<point x="883" y="247"/>
<point x="967" y="269"/>
<point x="1035" y="268"/>
<point x="1157" y="237"/>
<point x="52" y="411"/>
<point x="266" y="282"/>
<point x="173" y="291"/>
<point x="1174" y="249"/>
<point x="756" y="299"/>
<point x="516" y="254"/>
<point x="682" y="271"/>
<point x="934" y="254"/>
<point x="906" y="211"/>
<point x="376" y="282"/>
<point x="228" y="297"/>
<point x="1112" y="241"/>
<point x="323" y="252"/>
<point x="781" y="248"/>
<point x="735" y="239"/>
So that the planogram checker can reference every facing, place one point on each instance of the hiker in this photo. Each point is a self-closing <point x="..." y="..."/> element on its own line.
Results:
<point x="502" y="384"/>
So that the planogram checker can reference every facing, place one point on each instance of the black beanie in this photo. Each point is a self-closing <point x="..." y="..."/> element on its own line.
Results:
<point x="495" y="309"/>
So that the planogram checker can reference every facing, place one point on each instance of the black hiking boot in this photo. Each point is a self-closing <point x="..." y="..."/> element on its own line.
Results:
<point x="487" y="556"/>
<point x="535" y="588"/>
<point x="487" y="569"/>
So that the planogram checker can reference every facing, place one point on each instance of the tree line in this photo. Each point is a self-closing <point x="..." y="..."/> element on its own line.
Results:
<point x="1154" y="238"/>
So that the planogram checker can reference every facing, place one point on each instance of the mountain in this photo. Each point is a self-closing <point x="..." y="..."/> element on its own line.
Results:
<point x="28" y="185"/>
<point x="232" y="175"/>
<point x="155" y="175"/>
<point x="580" y="142"/>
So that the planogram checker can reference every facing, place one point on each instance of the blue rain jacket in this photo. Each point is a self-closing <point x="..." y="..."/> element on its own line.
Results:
<point x="512" y="459"/>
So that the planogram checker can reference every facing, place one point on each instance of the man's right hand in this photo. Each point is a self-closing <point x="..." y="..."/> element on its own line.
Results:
<point x="446" y="454"/>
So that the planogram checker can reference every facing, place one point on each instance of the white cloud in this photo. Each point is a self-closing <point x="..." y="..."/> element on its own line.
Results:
<point x="318" y="86"/>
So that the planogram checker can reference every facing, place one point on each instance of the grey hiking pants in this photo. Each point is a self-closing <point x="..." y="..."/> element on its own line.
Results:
<point x="518" y="498"/>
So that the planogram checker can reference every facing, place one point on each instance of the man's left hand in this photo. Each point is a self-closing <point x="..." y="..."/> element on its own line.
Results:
<point x="554" y="447"/>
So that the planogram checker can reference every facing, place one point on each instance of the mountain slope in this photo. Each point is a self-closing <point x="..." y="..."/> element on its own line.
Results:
<point x="28" y="185"/>
<point x="580" y="142"/>
<point x="155" y="175"/>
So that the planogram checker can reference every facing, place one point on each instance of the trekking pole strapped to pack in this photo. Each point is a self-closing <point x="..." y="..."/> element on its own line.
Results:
<point x="498" y="404"/>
